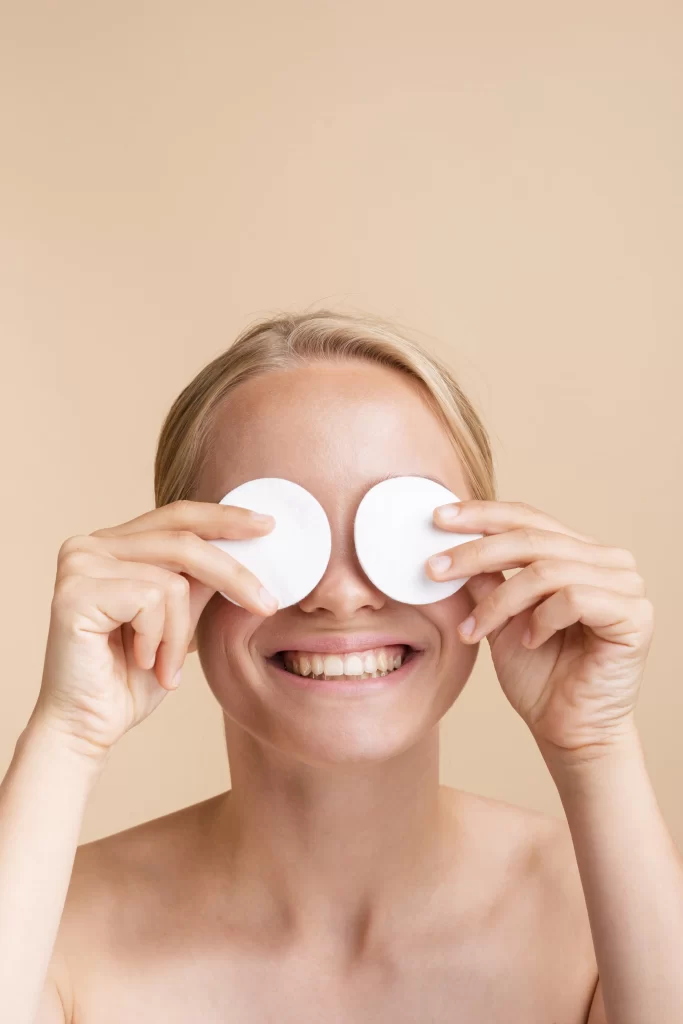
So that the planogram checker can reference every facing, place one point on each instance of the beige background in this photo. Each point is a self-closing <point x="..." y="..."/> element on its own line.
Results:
<point x="503" y="178"/>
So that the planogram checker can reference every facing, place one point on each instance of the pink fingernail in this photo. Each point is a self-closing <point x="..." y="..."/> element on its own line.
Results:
<point x="447" y="513"/>
<point x="467" y="626"/>
<point x="269" y="602"/>
<point x="440" y="563"/>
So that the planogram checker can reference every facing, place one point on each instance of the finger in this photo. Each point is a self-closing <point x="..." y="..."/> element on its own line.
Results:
<point x="148" y="622"/>
<point x="619" y="618"/>
<point x="88" y="604"/>
<point x="518" y="548"/>
<point x="539" y="580"/>
<point x="155" y="623"/>
<point x="479" y="587"/>
<point x="208" y="519"/>
<point x="182" y="551"/>
<point x="499" y="516"/>
<point x="172" y="647"/>
<point x="177" y="631"/>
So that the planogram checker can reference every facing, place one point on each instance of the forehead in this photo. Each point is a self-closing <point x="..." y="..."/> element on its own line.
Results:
<point x="335" y="428"/>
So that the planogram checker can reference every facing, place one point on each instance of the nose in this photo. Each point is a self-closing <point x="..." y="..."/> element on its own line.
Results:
<point x="344" y="590"/>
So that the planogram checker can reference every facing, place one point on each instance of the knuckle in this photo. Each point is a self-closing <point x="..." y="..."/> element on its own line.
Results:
<point x="242" y="574"/>
<point x="179" y="586"/>
<point x="471" y="550"/>
<point x="574" y="594"/>
<point x="152" y="594"/>
<point x="73" y="562"/>
<point x="180" y="508"/>
<point x="184" y="539"/>
<point x="490" y="606"/>
<point x="626" y="558"/>
<point x="634" y="582"/>
<point x="544" y="569"/>
<point x="529" y="535"/>
<point x="71" y="544"/>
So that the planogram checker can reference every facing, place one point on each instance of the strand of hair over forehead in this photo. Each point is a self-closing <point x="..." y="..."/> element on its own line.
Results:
<point x="286" y="339"/>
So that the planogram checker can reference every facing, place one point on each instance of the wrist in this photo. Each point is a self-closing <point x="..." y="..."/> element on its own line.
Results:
<point x="620" y="746"/>
<point x="50" y="738"/>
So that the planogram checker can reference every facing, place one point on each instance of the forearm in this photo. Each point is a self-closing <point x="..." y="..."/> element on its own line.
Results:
<point x="42" y="800"/>
<point x="632" y="878"/>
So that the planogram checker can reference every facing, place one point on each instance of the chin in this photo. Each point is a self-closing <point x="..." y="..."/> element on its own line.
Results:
<point x="358" y="743"/>
<point x="327" y="721"/>
<point x="337" y="728"/>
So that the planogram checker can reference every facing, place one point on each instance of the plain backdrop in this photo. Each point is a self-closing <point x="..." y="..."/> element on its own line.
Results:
<point x="503" y="179"/>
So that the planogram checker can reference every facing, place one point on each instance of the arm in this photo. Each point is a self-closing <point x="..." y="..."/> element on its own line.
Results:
<point x="42" y="800"/>
<point x="632" y="877"/>
<point x="569" y="636"/>
<point x="119" y="628"/>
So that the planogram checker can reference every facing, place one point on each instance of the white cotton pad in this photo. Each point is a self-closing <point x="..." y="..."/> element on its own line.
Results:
<point x="395" y="535"/>
<point x="291" y="559"/>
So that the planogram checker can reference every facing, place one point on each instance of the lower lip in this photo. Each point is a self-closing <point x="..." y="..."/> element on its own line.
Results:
<point x="363" y="686"/>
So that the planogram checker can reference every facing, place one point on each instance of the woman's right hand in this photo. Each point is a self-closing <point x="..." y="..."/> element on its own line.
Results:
<point x="125" y="607"/>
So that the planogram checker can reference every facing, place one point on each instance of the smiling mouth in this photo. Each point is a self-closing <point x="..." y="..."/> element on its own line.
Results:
<point x="351" y="665"/>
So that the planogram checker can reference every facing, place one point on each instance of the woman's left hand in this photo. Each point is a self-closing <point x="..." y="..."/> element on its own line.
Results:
<point x="575" y="680"/>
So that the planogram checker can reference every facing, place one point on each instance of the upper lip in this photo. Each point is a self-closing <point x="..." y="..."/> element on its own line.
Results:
<point x="330" y="643"/>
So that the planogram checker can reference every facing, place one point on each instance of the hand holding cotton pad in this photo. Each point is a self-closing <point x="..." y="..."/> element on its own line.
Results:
<point x="291" y="559"/>
<point x="395" y="535"/>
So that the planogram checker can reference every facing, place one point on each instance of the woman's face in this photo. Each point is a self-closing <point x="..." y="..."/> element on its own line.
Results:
<point x="336" y="429"/>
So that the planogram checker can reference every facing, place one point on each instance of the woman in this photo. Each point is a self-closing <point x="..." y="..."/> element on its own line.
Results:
<point x="337" y="879"/>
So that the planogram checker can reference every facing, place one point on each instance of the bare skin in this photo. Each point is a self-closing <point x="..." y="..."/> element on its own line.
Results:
<point x="156" y="918"/>
<point x="337" y="879"/>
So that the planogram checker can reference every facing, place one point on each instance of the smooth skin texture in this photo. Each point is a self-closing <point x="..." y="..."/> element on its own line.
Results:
<point x="337" y="879"/>
<point x="119" y="629"/>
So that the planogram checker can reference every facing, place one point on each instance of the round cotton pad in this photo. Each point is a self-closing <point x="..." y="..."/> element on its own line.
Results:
<point x="395" y="535"/>
<point x="291" y="559"/>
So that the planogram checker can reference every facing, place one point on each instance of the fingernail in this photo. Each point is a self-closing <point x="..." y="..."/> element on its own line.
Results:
<point x="447" y="513"/>
<point x="467" y="626"/>
<point x="439" y="563"/>
<point x="176" y="678"/>
<point x="262" y="517"/>
<point x="269" y="602"/>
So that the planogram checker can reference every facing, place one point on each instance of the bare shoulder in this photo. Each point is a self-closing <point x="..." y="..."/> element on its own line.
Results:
<point x="121" y="882"/>
<point x="537" y="843"/>
<point x="530" y="856"/>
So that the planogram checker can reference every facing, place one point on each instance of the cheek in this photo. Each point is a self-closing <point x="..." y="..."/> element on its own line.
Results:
<point x="457" y="659"/>
<point x="221" y="618"/>
<point x="223" y="634"/>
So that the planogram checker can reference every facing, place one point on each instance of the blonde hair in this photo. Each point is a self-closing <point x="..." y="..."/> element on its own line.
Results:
<point x="286" y="340"/>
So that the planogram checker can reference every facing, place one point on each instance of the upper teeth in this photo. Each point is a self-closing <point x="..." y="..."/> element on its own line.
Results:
<point x="377" y="662"/>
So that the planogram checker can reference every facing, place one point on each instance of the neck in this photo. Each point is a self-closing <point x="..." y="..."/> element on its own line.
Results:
<point x="332" y="853"/>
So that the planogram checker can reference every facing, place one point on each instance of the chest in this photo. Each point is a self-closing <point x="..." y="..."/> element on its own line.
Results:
<point x="441" y="985"/>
